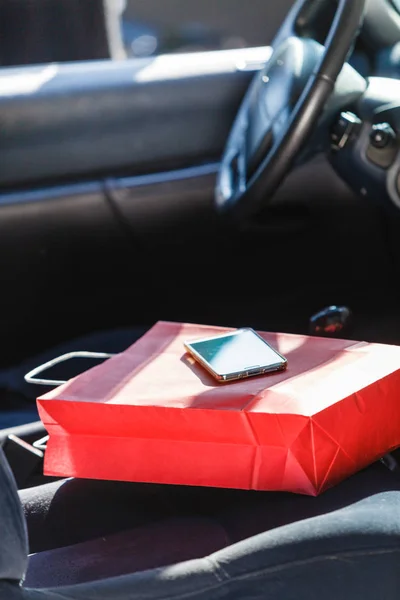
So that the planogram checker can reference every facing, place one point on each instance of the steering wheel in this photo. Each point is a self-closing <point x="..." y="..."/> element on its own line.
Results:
<point x="283" y="105"/>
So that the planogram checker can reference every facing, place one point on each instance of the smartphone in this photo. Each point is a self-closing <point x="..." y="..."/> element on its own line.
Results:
<point x="236" y="355"/>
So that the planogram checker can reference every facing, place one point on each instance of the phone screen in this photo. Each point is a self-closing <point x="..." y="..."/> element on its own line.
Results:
<point x="240" y="351"/>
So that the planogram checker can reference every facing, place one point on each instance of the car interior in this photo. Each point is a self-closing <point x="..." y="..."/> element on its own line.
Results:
<point x="250" y="187"/>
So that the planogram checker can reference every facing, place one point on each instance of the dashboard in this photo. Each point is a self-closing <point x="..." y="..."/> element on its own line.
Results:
<point x="367" y="155"/>
<point x="379" y="41"/>
<point x="377" y="50"/>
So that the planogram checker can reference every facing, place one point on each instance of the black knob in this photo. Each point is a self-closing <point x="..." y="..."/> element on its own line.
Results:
<point x="333" y="321"/>
<point x="382" y="135"/>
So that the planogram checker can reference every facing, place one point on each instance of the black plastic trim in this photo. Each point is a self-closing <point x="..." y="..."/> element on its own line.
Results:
<point x="73" y="190"/>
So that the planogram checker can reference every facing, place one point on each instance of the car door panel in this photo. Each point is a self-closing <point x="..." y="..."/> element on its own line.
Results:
<point x="211" y="271"/>
<point x="107" y="177"/>
<point x="66" y="254"/>
<point x="61" y="122"/>
<point x="55" y="250"/>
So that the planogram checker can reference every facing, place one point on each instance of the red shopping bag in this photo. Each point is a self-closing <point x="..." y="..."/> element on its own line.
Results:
<point x="152" y="414"/>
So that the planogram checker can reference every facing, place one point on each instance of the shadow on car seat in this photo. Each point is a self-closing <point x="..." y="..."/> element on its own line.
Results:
<point x="139" y="549"/>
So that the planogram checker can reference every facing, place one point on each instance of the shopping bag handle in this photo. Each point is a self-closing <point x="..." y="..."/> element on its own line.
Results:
<point x="31" y="377"/>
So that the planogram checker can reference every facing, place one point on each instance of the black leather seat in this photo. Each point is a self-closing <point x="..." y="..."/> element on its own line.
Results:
<point x="132" y="551"/>
<point x="343" y="544"/>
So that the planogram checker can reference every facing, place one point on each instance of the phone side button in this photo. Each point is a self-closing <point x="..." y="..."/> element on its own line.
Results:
<point x="255" y="371"/>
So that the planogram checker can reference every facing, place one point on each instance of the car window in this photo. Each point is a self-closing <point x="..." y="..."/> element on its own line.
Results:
<point x="41" y="31"/>
<point x="163" y="26"/>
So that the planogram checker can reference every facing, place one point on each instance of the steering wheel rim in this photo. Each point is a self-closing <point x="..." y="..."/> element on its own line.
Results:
<point x="246" y="180"/>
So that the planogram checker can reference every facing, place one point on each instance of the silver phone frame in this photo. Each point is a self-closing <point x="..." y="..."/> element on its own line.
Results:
<point x="250" y="371"/>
